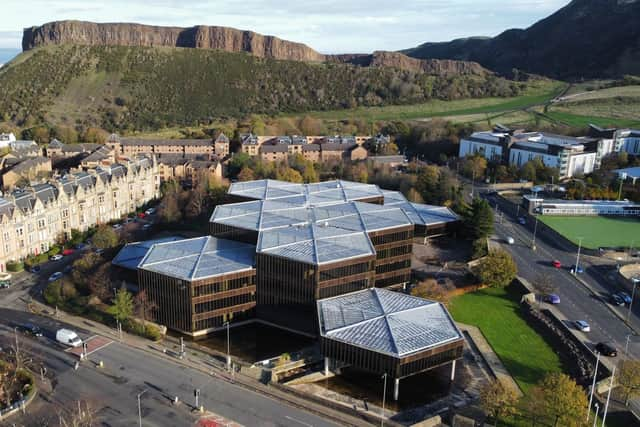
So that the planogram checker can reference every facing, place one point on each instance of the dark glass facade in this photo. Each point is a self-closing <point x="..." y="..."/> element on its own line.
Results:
<point x="393" y="255"/>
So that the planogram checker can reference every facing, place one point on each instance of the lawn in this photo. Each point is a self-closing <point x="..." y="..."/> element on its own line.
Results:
<point x="577" y="120"/>
<point x="596" y="231"/>
<point x="525" y="354"/>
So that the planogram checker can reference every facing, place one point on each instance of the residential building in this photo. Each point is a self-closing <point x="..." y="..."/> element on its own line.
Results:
<point x="31" y="219"/>
<point x="631" y="174"/>
<point x="571" y="156"/>
<point x="187" y="169"/>
<point x="129" y="147"/>
<point x="25" y="171"/>
<point x="221" y="146"/>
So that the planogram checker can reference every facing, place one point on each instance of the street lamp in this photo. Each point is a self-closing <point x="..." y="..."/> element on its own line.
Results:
<point x="635" y="281"/>
<point x="593" y="387"/>
<point x="595" y="418"/>
<point x="535" y="230"/>
<point x="578" y="256"/>
<point x="140" y="410"/>
<point x="228" y="351"/>
<point x="384" y="396"/>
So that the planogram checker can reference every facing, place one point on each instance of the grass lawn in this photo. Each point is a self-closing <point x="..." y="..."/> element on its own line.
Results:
<point x="577" y="120"/>
<point x="525" y="354"/>
<point x="596" y="231"/>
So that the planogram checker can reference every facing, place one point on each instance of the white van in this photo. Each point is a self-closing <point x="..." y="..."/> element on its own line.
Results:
<point x="510" y="240"/>
<point x="68" y="337"/>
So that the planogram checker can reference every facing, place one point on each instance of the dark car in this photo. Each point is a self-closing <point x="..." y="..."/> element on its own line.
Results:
<point x="67" y="269"/>
<point x="31" y="329"/>
<point x="616" y="300"/>
<point x="552" y="299"/>
<point x="625" y="297"/>
<point x="606" y="349"/>
<point x="35" y="269"/>
<point x="80" y="246"/>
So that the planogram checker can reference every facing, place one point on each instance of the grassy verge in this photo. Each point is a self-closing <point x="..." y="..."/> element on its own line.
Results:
<point x="525" y="354"/>
<point x="576" y="120"/>
<point x="596" y="232"/>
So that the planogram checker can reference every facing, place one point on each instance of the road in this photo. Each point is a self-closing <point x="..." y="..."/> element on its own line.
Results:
<point x="112" y="390"/>
<point x="577" y="301"/>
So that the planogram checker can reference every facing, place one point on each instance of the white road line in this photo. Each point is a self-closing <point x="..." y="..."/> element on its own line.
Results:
<point x="298" y="421"/>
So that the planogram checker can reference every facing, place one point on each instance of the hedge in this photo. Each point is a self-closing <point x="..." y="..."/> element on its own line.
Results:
<point x="15" y="266"/>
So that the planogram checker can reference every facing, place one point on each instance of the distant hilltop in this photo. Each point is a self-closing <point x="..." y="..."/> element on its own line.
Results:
<point x="205" y="37"/>
<point x="229" y="40"/>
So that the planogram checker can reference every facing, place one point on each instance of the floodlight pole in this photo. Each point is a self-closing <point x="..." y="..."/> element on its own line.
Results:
<point x="593" y="387"/>
<point x="606" y="406"/>
<point x="384" y="396"/>
<point x="578" y="256"/>
<point x="139" y="409"/>
<point x="635" y="281"/>
<point x="228" y="350"/>
<point x="535" y="230"/>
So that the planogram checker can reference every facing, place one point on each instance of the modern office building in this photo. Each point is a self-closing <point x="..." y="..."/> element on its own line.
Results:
<point x="571" y="156"/>
<point x="199" y="284"/>
<point x="387" y="333"/>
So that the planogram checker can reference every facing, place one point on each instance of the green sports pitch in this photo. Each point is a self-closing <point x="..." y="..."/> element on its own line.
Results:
<point x="597" y="231"/>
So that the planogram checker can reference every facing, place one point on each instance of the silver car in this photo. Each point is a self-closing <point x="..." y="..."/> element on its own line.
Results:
<point x="582" y="325"/>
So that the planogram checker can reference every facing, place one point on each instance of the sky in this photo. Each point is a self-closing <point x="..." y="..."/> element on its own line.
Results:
<point x="329" y="26"/>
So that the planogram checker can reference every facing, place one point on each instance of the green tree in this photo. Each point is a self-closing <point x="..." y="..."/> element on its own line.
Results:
<point x="560" y="400"/>
<point x="66" y="134"/>
<point x="105" y="237"/>
<point x="123" y="305"/>
<point x="629" y="379"/>
<point x="498" y="401"/>
<point x="94" y="135"/>
<point x="497" y="269"/>
<point x="41" y="134"/>
<point x="478" y="221"/>
<point x="474" y="166"/>
<point x="427" y="184"/>
<point x="246" y="174"/>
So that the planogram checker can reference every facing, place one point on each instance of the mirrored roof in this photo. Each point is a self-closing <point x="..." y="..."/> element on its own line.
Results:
<point x="132" y="253"/>
<point x="199" y="258"/>
<point x="387" y="322"/>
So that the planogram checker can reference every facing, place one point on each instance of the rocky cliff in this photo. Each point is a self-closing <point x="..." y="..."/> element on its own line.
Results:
<point x="204" y="37"/>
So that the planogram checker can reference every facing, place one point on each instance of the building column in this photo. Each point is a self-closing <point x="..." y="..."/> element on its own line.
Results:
<point x="326" y="366"/>
<point x="453" y="370"/>
<point x="396" y="388"/>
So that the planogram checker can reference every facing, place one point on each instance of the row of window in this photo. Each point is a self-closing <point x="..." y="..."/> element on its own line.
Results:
<point x="394" y="252"/>
<point x="225" y="302"/>
<point x="219" y="321"/>
<point x="391" y="237"/>
<point x="225" y="285"/>
<point x="395" y="280"/>
<point x="385" y="268"/>
<point x="347" y="270"/>
<point x="344" y="288"/>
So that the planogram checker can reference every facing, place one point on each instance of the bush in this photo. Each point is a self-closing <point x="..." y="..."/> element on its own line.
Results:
<point x="148" y="331"/>
<point x="53" y="293"/>
<point x="54" y="250"/>
<point x="35" y="260"/>
<point x="15" y="266"/>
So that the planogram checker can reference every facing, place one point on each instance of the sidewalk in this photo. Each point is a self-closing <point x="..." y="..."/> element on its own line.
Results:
<point x="204" y="363"/>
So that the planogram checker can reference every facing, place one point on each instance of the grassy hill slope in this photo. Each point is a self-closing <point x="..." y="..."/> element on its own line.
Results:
<point x="141" y="88"/>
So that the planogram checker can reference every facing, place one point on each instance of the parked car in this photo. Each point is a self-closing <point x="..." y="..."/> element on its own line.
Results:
<point x="35" y="269"/>
<point x="5" y="284"/>
<point x="67" y="252"/>
<point x="142" y="215"/>
<point x="56" y="257"/>
<point x="150" y="211"/>
<point x="552" y="299"/>
<point x="522" y="220"/>
<point x="583" y="326"/>
<point x="577" y="269"/>
<point x="80" y="246"/>
<point x="67" y="269"/>
<point x="128" y="220"/>
<point x="625" y="297"/>
<point x="30" y="329"/>
<point x="117" y="226"/>
<point x="616" y="300"/>
<point x="510" y="240"/>
<point x="147" y="226"/>
<point x="99" y="251"/>
<point x="55" y="276"/>
<point x="68" y="337"/>
<point x="606" y="349"/>
<point x="556" y="263"/>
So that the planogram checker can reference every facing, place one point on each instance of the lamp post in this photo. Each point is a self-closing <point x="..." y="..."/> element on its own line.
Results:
<point x="606" y="406"/>
<point x="384" y="396"/>
<point x="228" y="351"/>
<point x="139" y="409"/>
<point x="593" y="387"/>
<point x="635" y="281"/>
<point x="578" y="256"/>
<point x="535" y="230"/>
<point x="595" y="418"/>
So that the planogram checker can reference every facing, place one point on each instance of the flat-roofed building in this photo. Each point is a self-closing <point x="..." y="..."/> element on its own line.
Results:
<point x="387" y="333"/>
<point x="535" y="204"/>
<point x="429" y="220"/>
<point x="200" y="284"/>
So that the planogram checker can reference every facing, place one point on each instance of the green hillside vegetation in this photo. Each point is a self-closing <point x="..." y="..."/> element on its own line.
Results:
<point x="137" y="88"/>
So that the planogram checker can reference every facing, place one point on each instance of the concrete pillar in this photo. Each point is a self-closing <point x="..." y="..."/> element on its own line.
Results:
<point x="396" y="388"/>
<point x="326" y="366"/>
<point x="453" y="370"/>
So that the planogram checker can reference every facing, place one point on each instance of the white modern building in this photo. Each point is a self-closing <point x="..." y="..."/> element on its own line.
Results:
<point x="571" y="156"/>
<point x="628" y="140"/>
<point x="538" y="205"/>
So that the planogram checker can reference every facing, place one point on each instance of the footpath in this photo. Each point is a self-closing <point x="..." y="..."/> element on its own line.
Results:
<point x="207" y="365"/>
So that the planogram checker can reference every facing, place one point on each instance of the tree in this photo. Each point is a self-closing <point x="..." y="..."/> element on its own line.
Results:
<point x="197" y="198"/>
<point x="474" y="167"/>
<point x="105" y="237"/>
<point x="430" y="289"/>
<point x="290" y="175"/>
<point x="497" y="269"/>
<point x="544" y="284"/>
<point x="498" y="401"/>
<point x="122" y="307"/>
<point x="629" y="379"/>
<point x="478" y="220"/>
<point x="66" y="134"/>
<point x="560" y="400"/>
<point x="94" y="135"/>
<point x="246" y="174"/>
<point x="143" y="306"/>
<point x="41" y="134"/>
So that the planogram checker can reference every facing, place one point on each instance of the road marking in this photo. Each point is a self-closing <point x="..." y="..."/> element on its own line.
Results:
<point x="298" y="421"/>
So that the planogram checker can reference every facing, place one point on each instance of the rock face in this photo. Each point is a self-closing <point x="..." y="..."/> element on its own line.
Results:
<point x="204" y="37"/>
<point x="440" y="67"/>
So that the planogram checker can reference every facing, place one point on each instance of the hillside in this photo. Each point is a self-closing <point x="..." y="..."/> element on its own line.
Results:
<point x="140" y="88"/>
<point x="585" y="39"/>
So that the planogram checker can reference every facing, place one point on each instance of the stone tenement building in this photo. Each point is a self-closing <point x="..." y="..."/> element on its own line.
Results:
<point x="32" y="219"/>
<point x="133" y="146"/>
